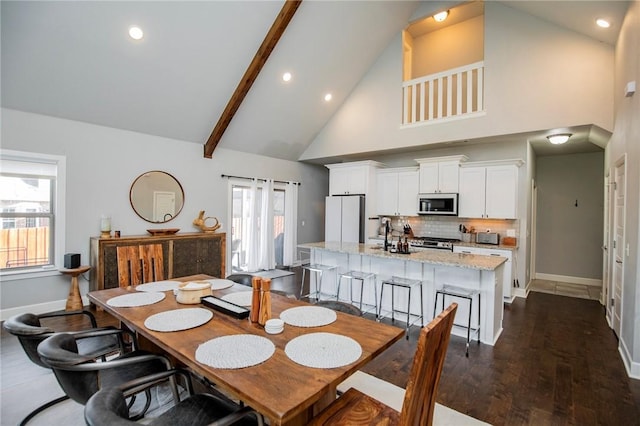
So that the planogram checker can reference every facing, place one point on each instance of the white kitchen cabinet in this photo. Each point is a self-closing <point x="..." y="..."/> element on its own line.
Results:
<point x="489" y="192"/>
<point x="397" y="192"/>
<point x="507" y="281"/>
<point x="352" y="178"/>
<point x="439" y="174"/>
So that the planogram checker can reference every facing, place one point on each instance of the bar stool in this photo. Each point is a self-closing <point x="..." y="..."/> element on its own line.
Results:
<point x="362" y="277"/>
<point x="466" y="294"/>
<point x="318" y="270"/>
<point x="410" y="285"/>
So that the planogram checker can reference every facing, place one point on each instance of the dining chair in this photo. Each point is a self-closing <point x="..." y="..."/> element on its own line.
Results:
<point x="30" y="331"/>
<point x="339" y="306"/>
<point x="108" y="407"/>
<point x="80" y="376"/>
<point x="139" y="264"/>
<point x="242" y="279"/>
<point x="357" y="408"/>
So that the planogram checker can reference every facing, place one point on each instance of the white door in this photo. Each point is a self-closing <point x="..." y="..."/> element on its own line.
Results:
<point x="333" y="219"/>
<point x="164" y="206"/>
<point x="618" y="243"/>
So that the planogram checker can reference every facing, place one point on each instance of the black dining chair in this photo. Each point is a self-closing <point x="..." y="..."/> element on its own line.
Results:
<point x="243" y="279"/>
<point x="32" y="329"/>
<point x="108" y="407"/>
<point x="80" y="376"/>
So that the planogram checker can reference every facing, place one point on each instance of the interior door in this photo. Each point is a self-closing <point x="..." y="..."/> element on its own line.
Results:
<point x="618" y="243"/>
<point x="164" y="205"/>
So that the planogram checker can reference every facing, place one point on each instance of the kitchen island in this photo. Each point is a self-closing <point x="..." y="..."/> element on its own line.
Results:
<point x="434" y="268"/>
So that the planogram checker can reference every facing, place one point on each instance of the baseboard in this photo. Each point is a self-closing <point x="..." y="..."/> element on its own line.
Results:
<point x="594" y="282"/>
<point x="39" y="308"/>
<point x="633" y="368"/>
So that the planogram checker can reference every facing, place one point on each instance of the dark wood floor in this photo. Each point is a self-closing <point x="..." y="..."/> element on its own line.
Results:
<point x="556" y="363"/>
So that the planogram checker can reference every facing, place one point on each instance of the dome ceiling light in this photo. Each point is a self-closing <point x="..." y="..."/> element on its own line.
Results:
<point x="441" y="16"/>
<point x="559" y="138"/>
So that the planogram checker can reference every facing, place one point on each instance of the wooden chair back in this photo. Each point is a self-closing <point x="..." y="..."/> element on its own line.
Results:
<point x="140" y="264"/>
<point x="420" y="396"/>
<point x="355" y="408"/>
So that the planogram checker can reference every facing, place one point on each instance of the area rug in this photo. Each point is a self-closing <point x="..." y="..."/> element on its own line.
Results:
<point x="272" y="273"/>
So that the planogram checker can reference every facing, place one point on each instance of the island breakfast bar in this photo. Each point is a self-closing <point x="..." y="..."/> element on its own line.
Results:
<point x="434" y="268"/>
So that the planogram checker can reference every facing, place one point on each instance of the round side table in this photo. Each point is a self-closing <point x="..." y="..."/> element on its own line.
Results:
<point x="74" y="301"/>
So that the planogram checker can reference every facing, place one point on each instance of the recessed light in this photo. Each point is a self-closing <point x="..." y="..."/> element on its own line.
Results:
<point x="135" y="33"/>
<point x="602" y="23"/>
<point x="328" y="97"/>
<point x="286" y="76"/>
<point x="439" y="17"/>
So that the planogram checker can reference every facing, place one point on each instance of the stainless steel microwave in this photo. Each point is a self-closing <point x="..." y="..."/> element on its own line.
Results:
<point x="438" y="204"/>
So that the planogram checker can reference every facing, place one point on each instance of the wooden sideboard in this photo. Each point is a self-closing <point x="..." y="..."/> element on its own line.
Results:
<point x="183" y="254"/>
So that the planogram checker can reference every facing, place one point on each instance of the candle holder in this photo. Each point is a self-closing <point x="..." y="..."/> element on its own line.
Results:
<point x="105" y="227"/>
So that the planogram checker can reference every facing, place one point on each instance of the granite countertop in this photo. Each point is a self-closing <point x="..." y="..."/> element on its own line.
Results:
<point x="436" y="257"/>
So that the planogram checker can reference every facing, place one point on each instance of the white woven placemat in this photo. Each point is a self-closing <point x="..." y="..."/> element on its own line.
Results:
<point x="242" y="298"/>
<point x="219" y="284"/>
<point x="308" y="316"/>
<point x="135" y="299"/>
<point x="159" y="286"/>
<point x="323" y="350"/>
<point x="178" y="319"/>
<point x="236" y="351"/>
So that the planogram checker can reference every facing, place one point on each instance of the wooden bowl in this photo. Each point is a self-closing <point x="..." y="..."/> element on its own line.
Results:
<point x="189" y="293"/>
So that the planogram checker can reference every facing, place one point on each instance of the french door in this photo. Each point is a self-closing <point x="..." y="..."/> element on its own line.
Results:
<point x="240" y="217"/>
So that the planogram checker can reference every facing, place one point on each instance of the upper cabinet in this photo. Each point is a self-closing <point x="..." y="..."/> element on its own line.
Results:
<point x="489" y="190"/>
<point x="440" y="174"/>
<point x="397" y="192"/>
<point x="358" y="177"/>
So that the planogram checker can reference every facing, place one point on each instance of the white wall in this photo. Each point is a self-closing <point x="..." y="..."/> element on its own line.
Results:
<point x="626" y="140"/>
<point x="102" y="163"/>
<point x="569" y="236"/>
<point x="534" y="79"/>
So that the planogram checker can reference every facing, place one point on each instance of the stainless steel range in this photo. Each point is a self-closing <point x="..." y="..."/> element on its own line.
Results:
<point x="433" y="243"/>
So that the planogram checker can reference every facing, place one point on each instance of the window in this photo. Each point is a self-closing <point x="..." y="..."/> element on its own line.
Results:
<point x="31" y="211"/>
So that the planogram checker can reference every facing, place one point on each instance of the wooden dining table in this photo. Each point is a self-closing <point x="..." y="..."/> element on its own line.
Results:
<point x="285" y="392"/>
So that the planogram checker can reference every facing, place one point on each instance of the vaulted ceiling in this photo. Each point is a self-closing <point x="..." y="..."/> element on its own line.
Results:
<point x="75" y="60"/>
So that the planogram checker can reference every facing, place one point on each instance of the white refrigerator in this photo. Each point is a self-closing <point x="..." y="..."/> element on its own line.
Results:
<point x="344" y="219"/>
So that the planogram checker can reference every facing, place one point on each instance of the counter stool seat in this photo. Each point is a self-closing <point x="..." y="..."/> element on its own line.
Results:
<point x="408" y="284"/>
<point x="462" y="293"/>
<point x="318" y="269"/>
<point x="362" y="277"/>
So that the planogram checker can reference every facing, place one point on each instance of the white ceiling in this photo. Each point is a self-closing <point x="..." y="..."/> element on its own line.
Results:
<point x="75" y="60"/>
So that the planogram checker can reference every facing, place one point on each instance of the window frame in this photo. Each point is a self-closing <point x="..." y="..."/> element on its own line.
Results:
<point x="57" y="219"/>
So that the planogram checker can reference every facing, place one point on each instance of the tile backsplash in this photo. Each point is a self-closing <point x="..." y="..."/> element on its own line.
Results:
<point x="449" y="227"/>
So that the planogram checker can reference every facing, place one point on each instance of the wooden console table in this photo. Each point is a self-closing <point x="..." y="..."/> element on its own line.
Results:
<point x="183" y="254"/>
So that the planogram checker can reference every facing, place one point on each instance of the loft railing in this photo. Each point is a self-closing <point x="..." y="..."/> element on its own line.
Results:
<point x="447" y="95"/>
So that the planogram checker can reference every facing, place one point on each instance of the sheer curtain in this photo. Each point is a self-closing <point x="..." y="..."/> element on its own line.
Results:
<point x="290" y="223"/>
<point x="267" y="250"/>
<point x="253" y="238"/>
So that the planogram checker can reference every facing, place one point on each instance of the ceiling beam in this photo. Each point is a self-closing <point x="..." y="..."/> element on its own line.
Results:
<point x="268" y="44"/>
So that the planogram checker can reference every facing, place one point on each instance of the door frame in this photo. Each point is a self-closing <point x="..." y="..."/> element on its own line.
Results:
<point x="617" y="273"/>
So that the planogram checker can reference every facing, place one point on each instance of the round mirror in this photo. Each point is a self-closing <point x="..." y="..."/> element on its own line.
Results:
<point x="156" y="196"/>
